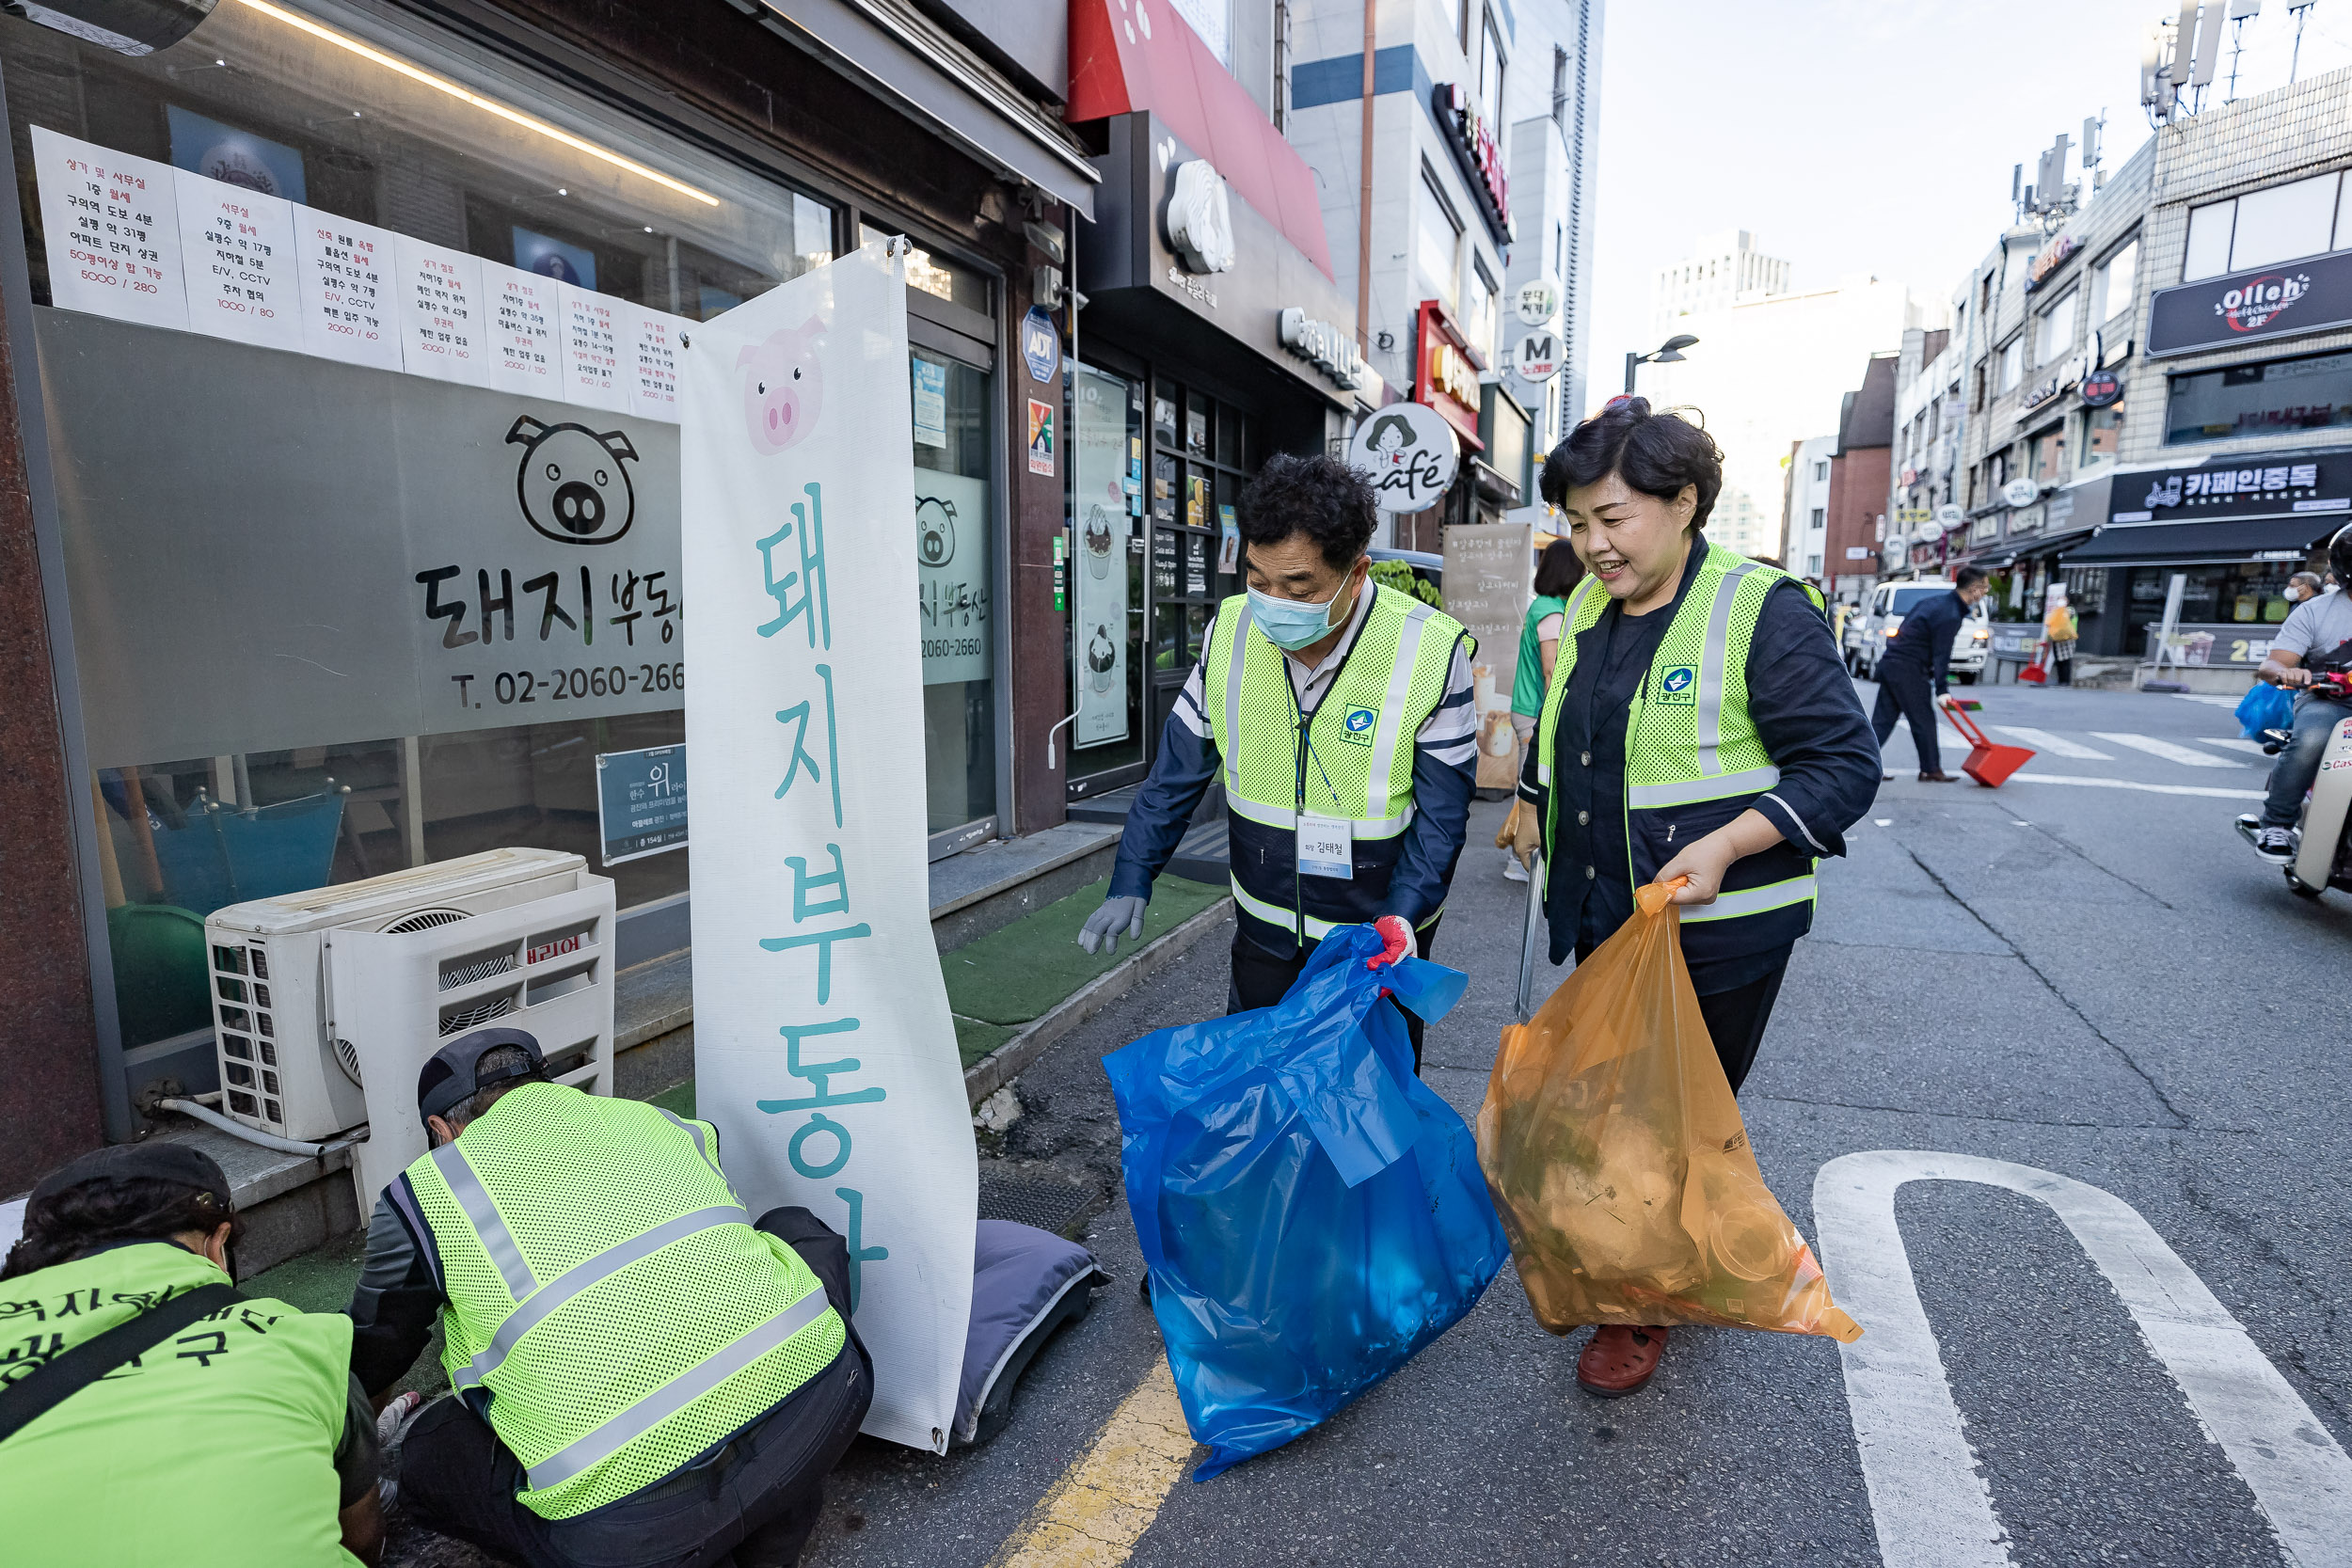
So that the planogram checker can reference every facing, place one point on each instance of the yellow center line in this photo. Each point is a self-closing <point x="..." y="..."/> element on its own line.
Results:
<point x="1095" y="1513"/>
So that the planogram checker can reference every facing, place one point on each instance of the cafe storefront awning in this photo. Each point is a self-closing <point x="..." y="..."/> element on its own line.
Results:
<point x="2180" y="544"/>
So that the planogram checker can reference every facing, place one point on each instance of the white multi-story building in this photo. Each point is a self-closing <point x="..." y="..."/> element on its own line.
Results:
<point x="1481" y="143"/>
<point x="1721" y="271"/>
<point x="1804" y="546"/>
<point x="1774" y="371"/>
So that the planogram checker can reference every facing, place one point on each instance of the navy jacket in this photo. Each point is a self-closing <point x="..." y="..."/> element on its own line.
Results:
<point x="1925" y="638"/>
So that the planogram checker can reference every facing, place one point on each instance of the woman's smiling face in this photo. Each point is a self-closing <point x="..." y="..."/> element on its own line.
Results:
<point x="1635" y="543"/>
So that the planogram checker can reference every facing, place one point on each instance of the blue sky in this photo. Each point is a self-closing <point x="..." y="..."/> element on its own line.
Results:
<point x="1862" y="136"/>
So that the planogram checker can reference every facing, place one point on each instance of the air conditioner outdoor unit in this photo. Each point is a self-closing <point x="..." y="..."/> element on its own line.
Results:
<point x="326" y="1004"/>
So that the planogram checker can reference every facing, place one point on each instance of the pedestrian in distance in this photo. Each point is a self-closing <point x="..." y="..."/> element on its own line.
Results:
<point x="152" y="1386"/>
<point x="1915" y="668"/>
<point x="1340" y="715"/>
<point x="2058" y="623"/>
<point x="1557" y="572"/>
<point x="2304" y="585"/>
<point x="1699" y="724"/>
<point x="2316" y="635"/>
<point x="641" y="1374"/>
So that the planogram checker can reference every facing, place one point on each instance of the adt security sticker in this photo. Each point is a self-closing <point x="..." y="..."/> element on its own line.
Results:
<point x="1357" y="725"/>
<point x="1678" y="686"/>
<point x="1040" y="344"/>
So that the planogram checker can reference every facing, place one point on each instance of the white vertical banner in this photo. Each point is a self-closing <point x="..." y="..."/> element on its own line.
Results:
<point x="823" y="1049"/>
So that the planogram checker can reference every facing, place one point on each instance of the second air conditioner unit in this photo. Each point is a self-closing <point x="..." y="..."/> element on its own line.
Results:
<point x="326" y="1004"/>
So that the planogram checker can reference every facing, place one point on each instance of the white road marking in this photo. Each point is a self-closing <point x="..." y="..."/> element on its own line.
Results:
<point x="2235" y="743"/>
<point x="2207" y="699"/>
<point x="2056" y="745"/>
<point x="2134" y="783"/>
<point x="2170" y="751"/>
<point x="1932" y="1506"/>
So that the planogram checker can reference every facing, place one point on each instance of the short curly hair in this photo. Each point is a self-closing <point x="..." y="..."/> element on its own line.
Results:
<point x="1655" y="454"/>
<point x="1324" y="499"/>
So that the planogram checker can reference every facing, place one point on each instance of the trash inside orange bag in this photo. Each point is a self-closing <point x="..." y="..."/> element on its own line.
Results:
<point x="1620" y="1167"/>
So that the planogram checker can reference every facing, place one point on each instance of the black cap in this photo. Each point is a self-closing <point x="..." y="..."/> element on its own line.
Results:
<point x="179" y="1163"/>
<point x="449" y="1077"/>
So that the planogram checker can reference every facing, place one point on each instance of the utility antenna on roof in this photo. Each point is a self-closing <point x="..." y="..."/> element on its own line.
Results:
<point x="2241" y="12"/>
<point x="2301" y="11"/>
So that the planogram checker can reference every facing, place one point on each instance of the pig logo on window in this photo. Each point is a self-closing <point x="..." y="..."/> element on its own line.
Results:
<point x="573" y="483"/>
<point x="783" y="386"/>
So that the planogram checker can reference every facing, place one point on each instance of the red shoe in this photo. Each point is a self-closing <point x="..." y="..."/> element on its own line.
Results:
<point x="1618" y="1360"/>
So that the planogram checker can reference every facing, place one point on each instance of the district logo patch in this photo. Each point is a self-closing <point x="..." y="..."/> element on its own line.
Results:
<point x="1678" y="686"/>
<point x="1357" y="723"/>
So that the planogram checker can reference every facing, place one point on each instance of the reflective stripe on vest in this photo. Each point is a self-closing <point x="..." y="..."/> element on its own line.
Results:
<point x="1753" y="900"/>
<point x="488" y="1224"/>
<point x="1274" y="914"/>
<point x="528" y="1314"/>
<point x="698" y="1380"/>
<point x="1711" y="667"/>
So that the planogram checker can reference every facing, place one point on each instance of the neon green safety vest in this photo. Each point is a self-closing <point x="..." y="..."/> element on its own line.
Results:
<point x="1693" y="759"/>
<point x="606" y="1286"/>
<point x="213" y="1450"/>
<point x="1351" y="758"/>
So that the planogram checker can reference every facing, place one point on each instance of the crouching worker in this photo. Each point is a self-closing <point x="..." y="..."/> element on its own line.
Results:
<point x="642" y="1375"/>
<point x="150" y="1414"/>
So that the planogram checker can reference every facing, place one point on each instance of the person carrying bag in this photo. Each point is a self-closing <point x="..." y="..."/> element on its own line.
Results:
<point x="2061" y="627"/>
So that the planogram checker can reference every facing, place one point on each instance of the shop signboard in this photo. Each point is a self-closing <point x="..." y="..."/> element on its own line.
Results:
<point x="1411" y="452"/>
<point x="2313" y="294"/>
<point x="1445" y="375"/>
<point x="824" y="1048"/>
<point x="1538" y="357"/>
<point x="1098" y="505"/>
<point x="2258" y="484"/>
<point x="2227" y="644"/>
<point x="1537" y="301"/>
<point x="640" y="803"/>
<point x="1478" y="151"/>
<point x="1489" y="582"/>
<point x="952" y="574"/>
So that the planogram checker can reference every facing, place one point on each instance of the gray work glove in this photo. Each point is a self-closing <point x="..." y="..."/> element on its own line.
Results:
<point x="1102" y="926"/>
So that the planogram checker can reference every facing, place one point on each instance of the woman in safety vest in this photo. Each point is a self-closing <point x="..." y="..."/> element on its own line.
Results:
<point x="1557" y="571"/>
<point x="149" y="1414"/>
<point x="1699" y="724"/>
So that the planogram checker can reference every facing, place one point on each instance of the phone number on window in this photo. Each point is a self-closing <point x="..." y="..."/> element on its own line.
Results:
<point x="509" y="688"/>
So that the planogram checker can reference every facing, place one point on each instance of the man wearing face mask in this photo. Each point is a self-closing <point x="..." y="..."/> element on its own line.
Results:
<point x="1340" y="715"/>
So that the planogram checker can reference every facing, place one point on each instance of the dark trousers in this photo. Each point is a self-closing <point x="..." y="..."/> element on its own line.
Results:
<point x="753" y="1502"/>
<point x="1261" y="979"/>
<point x="2062" y="662"/>
<point x="1903" y="690"/>
<point x="2291" y="776"/>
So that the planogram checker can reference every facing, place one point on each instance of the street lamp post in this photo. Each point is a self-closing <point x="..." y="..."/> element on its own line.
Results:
<point x="1667" y="353"/>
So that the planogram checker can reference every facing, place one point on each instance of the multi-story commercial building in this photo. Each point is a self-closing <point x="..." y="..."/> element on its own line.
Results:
<point x="1773" y="369"/>
<point x="1805" y="513"/>
<point x="1924" y="472"/>
<point x="1721" y="271"/>
<point x="2170" y="375"/>
<point x="1857" y="479"/>
<point x="1479" y="138"/>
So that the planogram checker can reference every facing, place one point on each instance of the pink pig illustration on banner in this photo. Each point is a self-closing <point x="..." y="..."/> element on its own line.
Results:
<point x="783" y="386"/>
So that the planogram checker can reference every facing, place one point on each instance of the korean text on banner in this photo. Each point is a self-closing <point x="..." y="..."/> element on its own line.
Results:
<point x="823" y="1050"/>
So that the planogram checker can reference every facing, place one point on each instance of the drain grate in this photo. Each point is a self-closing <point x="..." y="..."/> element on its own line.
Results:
<point x="1046" y="1199"/>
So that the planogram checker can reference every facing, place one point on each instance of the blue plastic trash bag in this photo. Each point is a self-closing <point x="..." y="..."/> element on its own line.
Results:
<point x="1312" y="1214"/>
<point x="2265" y="707"/>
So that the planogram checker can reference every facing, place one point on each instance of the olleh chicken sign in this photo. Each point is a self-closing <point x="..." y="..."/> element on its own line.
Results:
<point x="2310" y="296"/>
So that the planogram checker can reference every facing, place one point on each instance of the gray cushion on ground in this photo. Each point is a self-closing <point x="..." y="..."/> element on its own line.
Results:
<point x="1019" y="1275"/>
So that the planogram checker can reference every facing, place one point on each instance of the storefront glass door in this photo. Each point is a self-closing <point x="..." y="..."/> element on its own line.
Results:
<point x="955" y="561"/>
<point x="1106" y="597"/>
<point x="1202" y="452"/>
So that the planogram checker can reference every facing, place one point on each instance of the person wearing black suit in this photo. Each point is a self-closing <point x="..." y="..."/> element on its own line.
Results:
<point x="1916" y="667"/>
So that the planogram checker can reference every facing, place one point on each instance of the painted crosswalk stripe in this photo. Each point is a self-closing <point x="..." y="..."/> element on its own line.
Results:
<point x="2055" y="745"/>
<point x="2135" y="784"/>
<point x="1095" y="1513"/>
<point x="2206" y="698"/>
<point x="2170" y="751"/>
<point x="2235" y="743"/>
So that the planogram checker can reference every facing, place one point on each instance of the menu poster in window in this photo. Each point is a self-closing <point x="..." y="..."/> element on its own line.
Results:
<point x="347" y="307"/>
<point x="640" y="803"/>
<point x="238" y="251"/>
<point x="112" y="225"/>
<point x="1098" y="504"/>
<point x="1228" y="541"/>
<point x="521" y="312"/>
<point x="1490" y="580"/>
<point x="930" y="403"/>
<point x="440" y="294"/>
<point x="952" y="574"/>
<point x="653" y="341"/>
<point x="1163" y="564"/>
<point x="1196" y="566"/>
<point x="592" y="349"/>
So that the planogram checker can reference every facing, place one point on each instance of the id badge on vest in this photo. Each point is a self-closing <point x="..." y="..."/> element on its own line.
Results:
<point x="1327" y="847"/>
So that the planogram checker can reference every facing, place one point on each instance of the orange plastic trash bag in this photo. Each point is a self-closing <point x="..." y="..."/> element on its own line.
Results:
<point x="1620" y="1167"/>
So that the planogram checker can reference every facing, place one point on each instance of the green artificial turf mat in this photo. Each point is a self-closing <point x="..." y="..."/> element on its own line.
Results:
<point x="679" y="1099"/>
<point x="1018" y="974"/>
<point x="975" y="1039"/>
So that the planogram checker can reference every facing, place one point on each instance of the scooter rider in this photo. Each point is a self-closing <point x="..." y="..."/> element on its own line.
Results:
<point x="2316" y="635"/>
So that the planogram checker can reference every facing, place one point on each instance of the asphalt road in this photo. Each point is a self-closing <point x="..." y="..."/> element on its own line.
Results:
<point x="2088" y="979"/>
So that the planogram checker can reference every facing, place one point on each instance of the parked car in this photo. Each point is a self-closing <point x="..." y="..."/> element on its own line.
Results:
<point x="1874" y="621"/>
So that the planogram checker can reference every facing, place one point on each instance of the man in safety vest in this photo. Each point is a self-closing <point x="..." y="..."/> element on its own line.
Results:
<point x="1338" y="714"/>
<point x="150" y="1414"/>
<point x="642" y="1373"/>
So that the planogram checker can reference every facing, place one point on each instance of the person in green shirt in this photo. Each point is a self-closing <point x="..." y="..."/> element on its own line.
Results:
<point x="129" y="1468"/>
<point x="1557" y="572"/>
